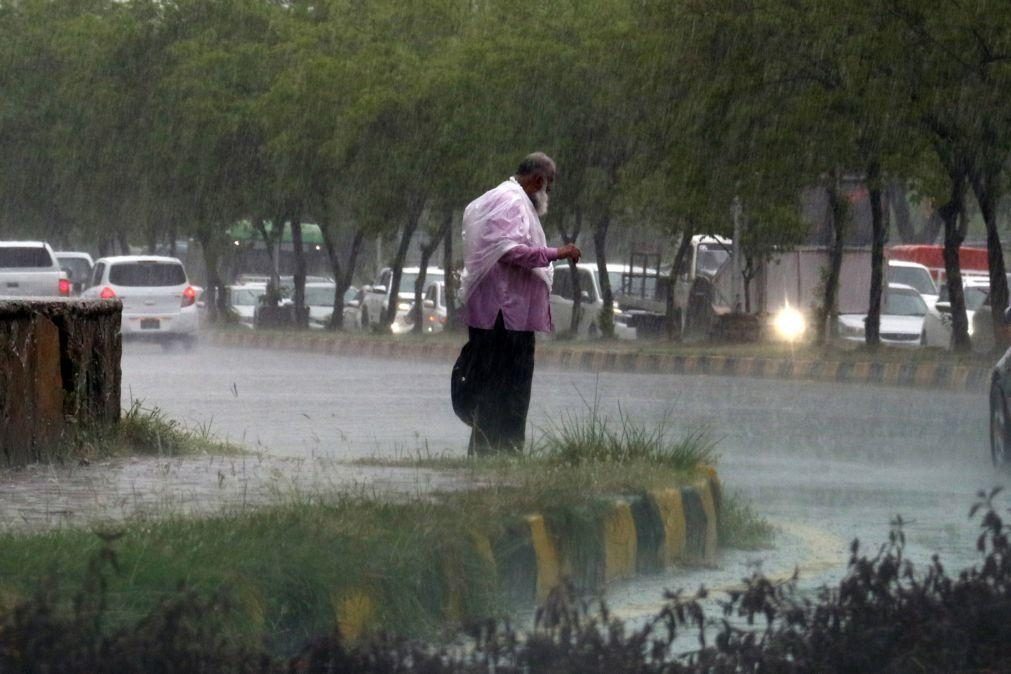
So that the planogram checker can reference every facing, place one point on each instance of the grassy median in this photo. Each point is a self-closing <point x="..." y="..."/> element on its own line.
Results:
<point x="294" y="570"/>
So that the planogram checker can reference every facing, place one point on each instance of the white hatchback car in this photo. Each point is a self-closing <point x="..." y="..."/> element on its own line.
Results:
<point x="158" y="301"/>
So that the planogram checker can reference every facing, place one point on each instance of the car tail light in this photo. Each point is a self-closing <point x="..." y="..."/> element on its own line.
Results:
<point x="64" y="287"/>
<point x="189" y="297"/>
<point x="107" y="293"/>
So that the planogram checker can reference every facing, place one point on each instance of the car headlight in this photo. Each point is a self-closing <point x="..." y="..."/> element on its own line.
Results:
<point x="404" y="306"/>
<point x="789" y="324"/>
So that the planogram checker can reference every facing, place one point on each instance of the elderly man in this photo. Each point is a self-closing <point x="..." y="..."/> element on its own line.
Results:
<point x="505" y="287"/>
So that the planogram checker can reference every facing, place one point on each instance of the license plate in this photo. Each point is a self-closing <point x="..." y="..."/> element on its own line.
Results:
<point x="150" y="324"/>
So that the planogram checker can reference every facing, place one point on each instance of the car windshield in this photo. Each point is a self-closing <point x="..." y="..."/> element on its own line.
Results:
<point x="710" y="258"/>
<point x="24" y="257"/>
<point x="246" y="297"/>
<point x="974" y="297"/>
<point x="147" y="274"/>
<point x="408" y="279"/>
<point x="77" y="268"/>
<point x="904" y="303"/>
<point x="320" y="296"/>
<point x="914" y="277"/>
<point x="635" y="284"/>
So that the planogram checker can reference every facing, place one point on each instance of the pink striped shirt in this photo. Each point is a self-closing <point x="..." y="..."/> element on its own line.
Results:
<point x="511" y="288"/>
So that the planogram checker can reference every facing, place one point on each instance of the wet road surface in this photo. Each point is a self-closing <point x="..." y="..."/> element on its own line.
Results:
<point x="826" y="463"/>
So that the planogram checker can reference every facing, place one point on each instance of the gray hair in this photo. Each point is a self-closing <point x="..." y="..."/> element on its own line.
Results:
<point x="537" y="163"/>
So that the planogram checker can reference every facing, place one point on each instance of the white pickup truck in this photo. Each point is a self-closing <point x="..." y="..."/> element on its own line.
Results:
<point x="29" y="269"/>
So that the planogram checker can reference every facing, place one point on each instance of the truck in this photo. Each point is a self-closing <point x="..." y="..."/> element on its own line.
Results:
<point x="29" y="269"/>
<point x="705" y="285"/>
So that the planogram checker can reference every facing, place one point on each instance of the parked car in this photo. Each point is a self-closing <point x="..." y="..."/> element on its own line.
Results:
<point x="243" y="298"/>
<point x="158" y="301"/>
<point x="352" y="308"/>
<point x="902" y="315"/>
<point x="981" y="327"/>
<point x="376" y="297"/>
<point x="433" y="308"/>
<point x="29" y="269"/>
<point x="937" y="322"/>
<point x="78" y="266"/>
<point x="916" y="276"/>
<point x="592" y="303"/>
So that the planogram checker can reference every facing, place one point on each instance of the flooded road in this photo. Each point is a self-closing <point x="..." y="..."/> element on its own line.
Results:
<point x="826" y="463"/>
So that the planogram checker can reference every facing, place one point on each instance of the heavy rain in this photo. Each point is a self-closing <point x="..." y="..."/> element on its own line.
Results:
<point x="504" y="336"/>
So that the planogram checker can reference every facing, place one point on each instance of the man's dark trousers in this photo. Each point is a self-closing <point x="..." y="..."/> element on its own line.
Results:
<point x="504" y="364"/>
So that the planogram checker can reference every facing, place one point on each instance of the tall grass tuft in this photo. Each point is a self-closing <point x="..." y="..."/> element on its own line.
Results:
<point x="594" y="438"/>
<point x="140" y="431"/>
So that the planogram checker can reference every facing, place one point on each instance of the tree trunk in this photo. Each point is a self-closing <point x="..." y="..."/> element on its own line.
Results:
<point x="606" y="320"/>
<point x="837" y="219"/>
<point x="298" y="253"/>
<point x="270" y="242"/>
<point x="985" y="187"/>
<point x="124" y="244"/>
<point x="342" y="274"/>
<point x="448" y="265"/>
<point x="872" y="327"/>
<point x="955" y="225"/>
<point x="213" y="301"/>
<point x="418" y="309"/>
<point x="674" y="327"/>
<point x="577" y="294"/>
<point x="390" y="314"/>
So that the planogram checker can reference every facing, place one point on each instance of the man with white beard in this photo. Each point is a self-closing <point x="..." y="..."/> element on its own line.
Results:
<point x="505" y="288"/>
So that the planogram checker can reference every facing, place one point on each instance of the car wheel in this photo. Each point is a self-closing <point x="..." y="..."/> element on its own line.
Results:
<point x="998" y="429"/>
<point x="923" y="338"/>
<point x="189" y="343"/>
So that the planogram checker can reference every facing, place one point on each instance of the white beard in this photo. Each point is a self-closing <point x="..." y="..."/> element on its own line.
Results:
<point x="541" y="201"/>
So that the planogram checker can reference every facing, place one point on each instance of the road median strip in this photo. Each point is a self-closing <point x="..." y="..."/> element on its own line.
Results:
<point x="928" y="375"/>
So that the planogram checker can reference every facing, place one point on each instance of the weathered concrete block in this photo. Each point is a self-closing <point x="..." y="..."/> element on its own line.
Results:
<point x="59" y="362"/>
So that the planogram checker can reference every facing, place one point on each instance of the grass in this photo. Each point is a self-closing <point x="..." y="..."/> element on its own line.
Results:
<point x="740" y="527"/>
<point x="142" y="431"/>
<point x="287" y="569"/>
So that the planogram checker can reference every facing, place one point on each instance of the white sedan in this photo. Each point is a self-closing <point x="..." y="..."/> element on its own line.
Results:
<point x="901" y="318"/>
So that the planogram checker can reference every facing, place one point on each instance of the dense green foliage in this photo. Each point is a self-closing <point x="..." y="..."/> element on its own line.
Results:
<point x="145" y="120"/>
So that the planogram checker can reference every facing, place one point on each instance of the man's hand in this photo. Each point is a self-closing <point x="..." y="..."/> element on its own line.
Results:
<point x="569" y="252"/>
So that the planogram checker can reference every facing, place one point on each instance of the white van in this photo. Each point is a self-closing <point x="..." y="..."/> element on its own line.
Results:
<point x="563" y="300"/>
<point x="158" y="301"/>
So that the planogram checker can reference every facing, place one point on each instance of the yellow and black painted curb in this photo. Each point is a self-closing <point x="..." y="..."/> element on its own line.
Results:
<point x="945" y="376"/>
<point x="627" y="536"/>
<point x="632" y="535"/>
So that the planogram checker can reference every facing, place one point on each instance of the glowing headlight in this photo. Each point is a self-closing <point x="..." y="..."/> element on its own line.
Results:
<point x="789" y="324"/>
<point x="404" y="306"/>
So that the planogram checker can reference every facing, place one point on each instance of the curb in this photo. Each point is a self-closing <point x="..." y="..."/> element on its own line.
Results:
<point x="933" y="376"/>
<point x="533" y="558"/>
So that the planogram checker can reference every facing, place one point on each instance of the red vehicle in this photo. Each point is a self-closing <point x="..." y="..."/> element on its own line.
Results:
<point x="973" y="261"/>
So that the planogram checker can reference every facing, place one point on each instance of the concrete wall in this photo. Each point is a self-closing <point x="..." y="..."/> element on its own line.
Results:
<point x="59" y="367"/>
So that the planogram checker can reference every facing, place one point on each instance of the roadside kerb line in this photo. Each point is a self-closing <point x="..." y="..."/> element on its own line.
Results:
<point x="920" y="375"/>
